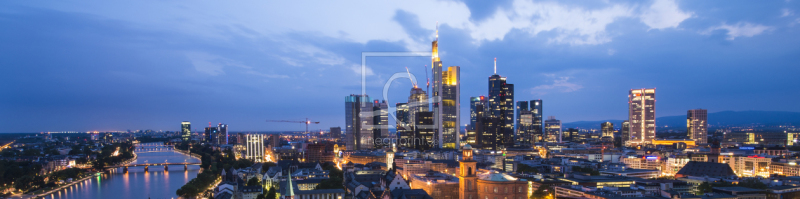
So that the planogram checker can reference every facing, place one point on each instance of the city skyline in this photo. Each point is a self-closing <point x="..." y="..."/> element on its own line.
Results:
<point x="130" y="72"/>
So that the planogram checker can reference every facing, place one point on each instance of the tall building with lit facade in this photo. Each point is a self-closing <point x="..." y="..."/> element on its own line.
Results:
<point x="697" y="125"/>
<point x="474" y="114"/>
<point x="642" y="116"/>
<point x="552" y="128"/>
<point x="254" y="147"/>
<point x="446" y="99"/>
<point x="210" y="134"/>
<point x="380" y="121"/>
<point x="186" y="131"/>
<point x="478" y="116"/>
<point x="529" y="123"/>
<point x="358" y="120"/>
<point x="625" y="132"/>
<point x="222" y="134"/>
<point x="501" y="106"/>
<point x="607" y="129"/>
<point x="404" y="131"/>
<point x="537" y="127"/>
<point x="424" y="131"/>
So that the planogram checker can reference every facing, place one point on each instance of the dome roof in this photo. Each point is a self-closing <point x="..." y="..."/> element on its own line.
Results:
<point x="467" y="146"/>
<point x="497" y="177"/>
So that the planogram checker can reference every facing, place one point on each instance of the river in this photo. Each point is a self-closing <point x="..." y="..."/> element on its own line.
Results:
<point x="137" y="184"/>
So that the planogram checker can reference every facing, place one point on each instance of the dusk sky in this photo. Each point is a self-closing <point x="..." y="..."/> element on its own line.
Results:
<point x="110" y="65"/>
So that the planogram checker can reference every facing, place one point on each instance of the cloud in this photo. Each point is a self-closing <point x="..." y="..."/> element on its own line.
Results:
<point x="786" y="13"/>
<point x="741" y="29"/>
<point x="664" y="14"/>
<point x="211" y="64"/>
<point x="560" y="84"/>
<point x="611" y="51"/>
<point x="572" y="24"/>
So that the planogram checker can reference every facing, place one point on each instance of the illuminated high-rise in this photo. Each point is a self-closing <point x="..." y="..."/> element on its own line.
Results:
<point x="222" y="134"/>
<point x="552" y="128"/>
<point x="210" y="134"/>
<point x="446" y="100"/>
<point x="625" y="132"/>
<point x="697" y="125"/>
<point x="186" y="131"/>
<point x="358" y="120"/>
<point x="522" y="127"/>
<point x="478" y="126"/>
<point x="642" y="116"/>
<point x="501" y="106"/>
<point x="254" y="147"/>
<point x="538" y="121"/>
<point x="607" y="129"/>
<point x="404" y="131"/>
<point x="380" y="121"/>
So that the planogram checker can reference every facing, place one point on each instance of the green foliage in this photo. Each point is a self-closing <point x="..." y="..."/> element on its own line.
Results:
<point x="543" y="192"/>
<point x="704" y="187"/>
<point x="271" y="194"/>
<point x="253" y="182"/>
<point x="210" y="160"/>
<point x="11" y="171"/>
<point x="523" y="168"/>
<point x="334" y="181"/>
<point x="31" y="152"/>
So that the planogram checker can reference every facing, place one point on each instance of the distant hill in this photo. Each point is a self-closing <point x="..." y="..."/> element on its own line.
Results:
<point x="724" y="118"/>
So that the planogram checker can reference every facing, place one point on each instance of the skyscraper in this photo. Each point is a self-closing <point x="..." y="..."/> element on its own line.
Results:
<point x="446" y="99"/>
<point x="522" y="127"/>
<point x="222" y="137"/>
<point x="186" y="131"/>
<point x="210" y="134"/>
<point x="552" y="128"/>
<point x="254" y="147"/>
<point x="642" y="115"/>
<point x="359" y="120"/>
<point x="404" y="131"/>
<point x="501" y="106"/>
<point x="424" y="130"/>
<point x="478" y="115"/>
<point x="697" y="125"/>
<point x="608" y="129"/>
<point x="474" y="114"/>
<point x="626" y="133"/>
<point x="380" y="111"/>
<point x="336" y="132"/>
<point x="538" y="121"/>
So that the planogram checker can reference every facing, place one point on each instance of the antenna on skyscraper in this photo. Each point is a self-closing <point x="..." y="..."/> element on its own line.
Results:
<point x="437" y="30"/>
<point x="495" y="65"/>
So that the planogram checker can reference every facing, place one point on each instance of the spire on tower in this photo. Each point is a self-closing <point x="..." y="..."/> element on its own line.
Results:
<point x="437" y="30"/>
<point x="495" y="65"/>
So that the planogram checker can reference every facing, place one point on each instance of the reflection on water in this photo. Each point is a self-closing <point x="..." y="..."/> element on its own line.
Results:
<point x="137" y="184"/>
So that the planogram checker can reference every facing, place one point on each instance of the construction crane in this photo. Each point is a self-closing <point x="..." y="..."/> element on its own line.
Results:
<point x="307" y="122"/>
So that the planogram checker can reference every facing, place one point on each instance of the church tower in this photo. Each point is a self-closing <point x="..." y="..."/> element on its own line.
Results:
<point x="467" y="176"/>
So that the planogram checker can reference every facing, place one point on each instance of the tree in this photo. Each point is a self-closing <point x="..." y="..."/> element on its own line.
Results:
<point x="544" y="192"/>
<point x="271" y="194"/>
<point x="253" y="182"/>
<point x="704" y="187"/>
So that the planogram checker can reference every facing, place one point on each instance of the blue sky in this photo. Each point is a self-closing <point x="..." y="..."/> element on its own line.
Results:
<point x="109" y="65"/>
